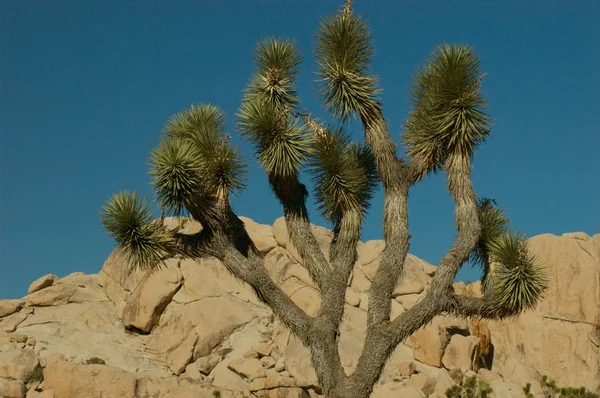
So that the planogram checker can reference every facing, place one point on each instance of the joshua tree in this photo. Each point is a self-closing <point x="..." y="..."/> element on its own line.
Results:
<point x="195" y="168"/>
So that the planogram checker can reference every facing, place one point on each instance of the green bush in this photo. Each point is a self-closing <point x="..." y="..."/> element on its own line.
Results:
<point x="95" y="361"/>
<point x="551" y="390"/>
<point x="470" y="388"/>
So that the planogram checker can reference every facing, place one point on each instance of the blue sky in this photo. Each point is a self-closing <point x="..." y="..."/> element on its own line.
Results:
<point x="85" y="88"/>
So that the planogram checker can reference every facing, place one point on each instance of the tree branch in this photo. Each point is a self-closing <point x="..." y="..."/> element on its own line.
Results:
<point x="395" y="215"/>
<point x="292" y="195"/>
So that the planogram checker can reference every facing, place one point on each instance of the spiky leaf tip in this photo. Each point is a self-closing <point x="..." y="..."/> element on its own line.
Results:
<point x="281" y="142"/>
<point x="176" y="168"/>
<point x="494" y="224"/>
<point x="277" y="63"/>
<point x="196" y="123"/>
<point x="344" y="174"/>
<point x="447" y="116"/>
<point x="143" y="241"/>
<point x="343" y="52"/>
<point x="519" y="279"/>
<point x="221" y="166"/>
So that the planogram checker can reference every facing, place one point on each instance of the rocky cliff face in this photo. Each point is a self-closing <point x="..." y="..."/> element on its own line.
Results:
<point x="191" y="328"/>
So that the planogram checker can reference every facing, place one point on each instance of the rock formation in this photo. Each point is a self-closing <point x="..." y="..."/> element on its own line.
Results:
<point x="191" y="328"/>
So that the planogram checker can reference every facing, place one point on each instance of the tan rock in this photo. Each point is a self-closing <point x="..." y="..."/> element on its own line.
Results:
<point x="209" y="278"/>
<point x="250" y="368"/>
<point x="268" y="362"/>
<point x="558" y="338"/>
<point x="75" y="380"/>
<point x="322" y="235"/>
<point x="428" y="344"/>
<point x="261" y="235"/>
<point x="181" y="356"/>
<point x="270" y="382"/>
<point x="408" y="286"/>
<point x="263" y="349"/>
<point x="10" y="388"/>
<point x="459" y="352"/>
<point x="11" y="323"/>
<point x="280" y="365"/>
<point x="286" y="392"/>
<point x="407" y="368"/>
<point x="251" y="354"/>
<point x="299" y="364"/>
<point x="397" y="390"/>
<point x="444" y="382"/>
<point x="456" y="375"/>
<point x="48" y="359"/>
<point x="212" y="319"/>
<point x="370" y="251"/>
<point x="488" y="376"/>
<point x="352" y="297"/>
<point x="150" y="386"/>
<point x="207" y="363"/>
<point x="359" y="281"/>
<point x="118" y="280"/>
<point x="151" y="297"/>
<point x="58" y="294"/>
<point x="408" y="300"/>
<point x="9" y="307"/>
<point x="42" y="283"/>
<point x="18" y="364"/>
<point x="40" y="394"/>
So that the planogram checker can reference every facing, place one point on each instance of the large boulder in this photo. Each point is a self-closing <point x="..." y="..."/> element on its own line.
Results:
<point x="69" y="380"/>
<point x="561" y="337"/>
<point x="151" y="296"/>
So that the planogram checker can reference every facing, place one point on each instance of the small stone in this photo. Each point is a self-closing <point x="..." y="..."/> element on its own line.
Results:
<point x="352" y="297"/>
<point x="263" y="349"/>
<point x="250" y="368"/>
<point x="31" y="342"/>
<point x="280" y="364"/>
<point x="42" y="283"/>
<point x="268" y="362"/>
<point x="407" y="368"/>
<point x="251" y="354"/>
<point x="17" y="338"/>
<point x="285" y="373"/>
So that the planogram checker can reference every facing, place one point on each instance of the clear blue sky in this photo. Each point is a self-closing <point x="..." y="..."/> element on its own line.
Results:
<point x="85" y="87"/>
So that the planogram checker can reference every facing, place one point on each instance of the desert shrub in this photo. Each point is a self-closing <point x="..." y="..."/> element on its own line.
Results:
<point x="470" y="388"/>
<point x="95" y="361"/>
<point x="552" y="390"/>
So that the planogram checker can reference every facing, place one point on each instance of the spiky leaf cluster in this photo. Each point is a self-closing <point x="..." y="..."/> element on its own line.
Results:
<point x="220" y="165"/>
<point x="277" y="63"/>
<point x="447" y="115"/>
<point x="494" y="224"/>
<point x="344" y="174"/>
<point x="519" y="280"/>
<point x="266" y="116"/>
<point x="175" y="167"/>
<point x="343" y="52"/>
<point x="144" y="242"/>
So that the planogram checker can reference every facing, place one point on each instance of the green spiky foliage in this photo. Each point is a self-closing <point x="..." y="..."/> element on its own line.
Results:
<point x="266" y="117"/>
<point x="281" y="143"/>
<point x="143" y="241"/>
<point x="494" y="224"/>
<point x="343" y="52"/>
<point x="470" y="388"/>
<point x="447" y="115"/>
<point x="344" y="174"/>
<point x="219" y="164"/>
<point x="520" y="280"/>
<point x="175" y="167"/>
<point x="550" y="388"/>
<point x="277" y="63"/>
